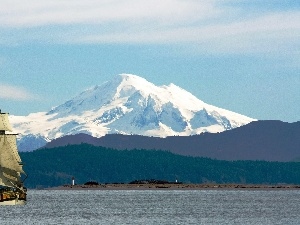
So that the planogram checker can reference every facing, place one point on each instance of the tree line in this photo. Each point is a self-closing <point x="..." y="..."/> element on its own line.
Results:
<point x="57" y="166"/>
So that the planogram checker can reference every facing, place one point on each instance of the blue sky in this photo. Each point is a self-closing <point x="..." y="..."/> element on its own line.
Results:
<point x="241" y="55"/>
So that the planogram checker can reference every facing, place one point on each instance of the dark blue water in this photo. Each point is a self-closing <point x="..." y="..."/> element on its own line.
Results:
<point x="156" y="207"/>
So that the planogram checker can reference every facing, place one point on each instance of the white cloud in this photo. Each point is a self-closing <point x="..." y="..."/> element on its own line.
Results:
<point x="211" y="25"/>
<point x="9" y="92"/>
<point x="268" y="33"/>
<point x="17" y="13"/>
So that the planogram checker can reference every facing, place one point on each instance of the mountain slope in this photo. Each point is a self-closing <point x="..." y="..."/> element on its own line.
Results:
<point x="128" y="104"/>
<point x="258" y="140"/>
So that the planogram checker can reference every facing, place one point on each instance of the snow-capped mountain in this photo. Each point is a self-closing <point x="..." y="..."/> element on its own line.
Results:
<point x="127" y="104"/>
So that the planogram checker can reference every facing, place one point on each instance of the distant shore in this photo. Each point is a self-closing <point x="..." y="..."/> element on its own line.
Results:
<point x="171" y="187"/>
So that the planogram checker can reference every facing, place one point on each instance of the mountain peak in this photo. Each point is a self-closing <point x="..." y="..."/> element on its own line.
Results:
<point x="130" y="104"/>
<point x="127" y="84"/>
<point x="128" y="76"/>
<point x="129" y="79"/>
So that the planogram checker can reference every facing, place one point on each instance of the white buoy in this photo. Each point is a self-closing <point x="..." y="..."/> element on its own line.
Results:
<point x="73" y="181"/>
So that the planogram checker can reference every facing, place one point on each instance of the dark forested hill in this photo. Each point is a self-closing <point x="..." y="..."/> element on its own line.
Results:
<point x="260" y="140"/>
<point x="53" y="167"/>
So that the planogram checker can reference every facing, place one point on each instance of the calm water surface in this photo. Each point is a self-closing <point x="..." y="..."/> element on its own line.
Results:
<point x="156" y="207"/>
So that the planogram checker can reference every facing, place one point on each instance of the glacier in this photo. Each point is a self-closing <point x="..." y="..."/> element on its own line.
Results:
<point x="127" y="104"/>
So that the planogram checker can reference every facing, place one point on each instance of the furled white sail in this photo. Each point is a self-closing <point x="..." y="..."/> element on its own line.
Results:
<point x="5" y="181"/>
<point x="4" y="123"/>
<point x="9" y="177"/>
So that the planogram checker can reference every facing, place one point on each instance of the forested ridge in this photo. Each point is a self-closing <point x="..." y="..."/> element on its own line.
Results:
<point x="259" y="140"/>
<point x="57" y="166"/>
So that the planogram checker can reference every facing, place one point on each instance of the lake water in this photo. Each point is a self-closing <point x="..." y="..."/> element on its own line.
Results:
<point x="156" y="207"/>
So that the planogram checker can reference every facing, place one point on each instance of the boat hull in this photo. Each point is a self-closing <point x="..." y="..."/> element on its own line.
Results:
<point x="12" y="198"/>
<point x="13" y="202"/>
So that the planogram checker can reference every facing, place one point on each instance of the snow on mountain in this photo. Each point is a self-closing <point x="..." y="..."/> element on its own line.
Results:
<point x="127" y="104"/>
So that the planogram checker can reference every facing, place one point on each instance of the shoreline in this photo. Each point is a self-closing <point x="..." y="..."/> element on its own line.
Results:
<point x="173" y="186"/>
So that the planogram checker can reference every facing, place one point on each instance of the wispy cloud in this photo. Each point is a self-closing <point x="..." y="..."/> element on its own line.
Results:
<point x="9" y="92"/>
<point x="18" y="13"/>
<point x="212" y="25"/>
<point x="247" y="34"/>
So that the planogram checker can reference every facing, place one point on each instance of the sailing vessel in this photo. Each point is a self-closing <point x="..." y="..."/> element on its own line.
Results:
<point x="12" y="190"/>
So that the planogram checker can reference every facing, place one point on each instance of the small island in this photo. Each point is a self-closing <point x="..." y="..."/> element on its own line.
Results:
<point x="162" y="184"/>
